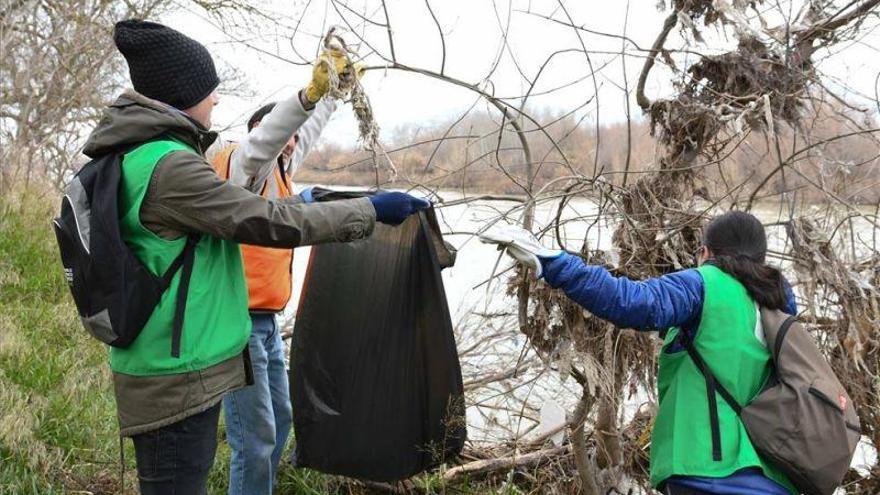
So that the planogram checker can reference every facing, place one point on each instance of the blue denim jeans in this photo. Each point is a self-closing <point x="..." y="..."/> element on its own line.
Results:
<point x="258" y="417"/>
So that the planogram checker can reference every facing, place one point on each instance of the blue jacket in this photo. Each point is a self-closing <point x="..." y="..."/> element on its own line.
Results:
<point x="674" y="300"/>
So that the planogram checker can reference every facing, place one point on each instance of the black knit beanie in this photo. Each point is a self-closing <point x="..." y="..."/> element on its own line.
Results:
<point x="164" y="64"/>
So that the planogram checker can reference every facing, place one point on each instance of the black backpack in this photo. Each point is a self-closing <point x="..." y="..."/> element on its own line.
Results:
<point x="114" y="292"/>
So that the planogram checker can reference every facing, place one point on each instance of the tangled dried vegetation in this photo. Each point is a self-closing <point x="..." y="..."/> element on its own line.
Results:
<point x="755" y="87"/>
<point x="347" y="87"/>
<point x="752" y="87"/>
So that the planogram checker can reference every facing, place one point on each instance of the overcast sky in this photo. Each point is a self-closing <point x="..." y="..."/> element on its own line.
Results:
<point x="473" y="34"/>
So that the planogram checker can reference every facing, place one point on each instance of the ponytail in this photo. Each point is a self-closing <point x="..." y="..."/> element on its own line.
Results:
<point x="764" y="283"/>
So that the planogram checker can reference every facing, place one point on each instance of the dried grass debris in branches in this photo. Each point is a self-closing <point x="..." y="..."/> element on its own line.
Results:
<point x="710" y="11"/>
<point x="844" y="305"/>
<point x="346" y="86"/>
<point x="761" y="84"/>
<point x="741" y="87"/>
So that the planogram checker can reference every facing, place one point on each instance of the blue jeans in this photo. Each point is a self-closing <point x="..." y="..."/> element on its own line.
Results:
<point x="258" y="417"/>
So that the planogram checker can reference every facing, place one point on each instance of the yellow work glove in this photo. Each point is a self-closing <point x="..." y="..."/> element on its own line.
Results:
<point x="360" y="69"/>
<point x="320" y="82"/>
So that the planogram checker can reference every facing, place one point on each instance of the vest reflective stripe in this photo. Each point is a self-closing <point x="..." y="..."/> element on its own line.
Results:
<point x="268" y="270"/>
<point x="681" y="443"/>
<point x="216" y="325"/>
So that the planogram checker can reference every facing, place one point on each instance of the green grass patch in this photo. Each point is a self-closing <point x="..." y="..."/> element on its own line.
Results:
<point x="58" y="428"/>
<point x="19" y="478"/>
<point x="59" y="433"/>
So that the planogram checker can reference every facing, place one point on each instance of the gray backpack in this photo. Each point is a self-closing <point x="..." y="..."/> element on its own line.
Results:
<point x="803" y="421"/>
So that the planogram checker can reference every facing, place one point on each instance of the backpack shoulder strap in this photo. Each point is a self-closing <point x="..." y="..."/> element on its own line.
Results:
<point x="188" y="255"/>
<point x="775" y="331"/>
<point x="707" y="373"/>
<point x="184" y="261"/>
<point x="712" y="386"/>
<point x="776" y="326"/>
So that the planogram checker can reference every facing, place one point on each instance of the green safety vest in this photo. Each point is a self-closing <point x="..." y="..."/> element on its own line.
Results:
<point x="216" y="324"/>
<point x="681" y="444"/>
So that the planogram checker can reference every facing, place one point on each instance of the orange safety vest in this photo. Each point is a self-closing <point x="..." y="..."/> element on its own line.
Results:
<point x="268" y="270"/>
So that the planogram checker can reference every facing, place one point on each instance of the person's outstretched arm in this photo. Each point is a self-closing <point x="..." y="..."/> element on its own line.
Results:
<point x="255" y="157"/>
<point x="252" y="162"/>
<point x="310" y="132"/>
<point x="186" y="195"/>
<point x="657" y="303"/>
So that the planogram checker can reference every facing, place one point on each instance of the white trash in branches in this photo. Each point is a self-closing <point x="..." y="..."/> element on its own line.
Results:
<point x="553" y="419"/>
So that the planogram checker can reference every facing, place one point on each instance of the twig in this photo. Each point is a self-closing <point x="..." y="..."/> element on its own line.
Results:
<point x="504" y="463"/>
<point x="668" y="24"/>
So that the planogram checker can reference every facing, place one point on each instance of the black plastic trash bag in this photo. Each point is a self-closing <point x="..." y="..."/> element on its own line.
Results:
<point x="375" y="379"/>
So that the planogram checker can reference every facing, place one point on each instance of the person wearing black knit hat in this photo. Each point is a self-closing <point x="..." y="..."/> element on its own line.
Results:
<point x="166" y="65"/>
<point x="169" y="385"/>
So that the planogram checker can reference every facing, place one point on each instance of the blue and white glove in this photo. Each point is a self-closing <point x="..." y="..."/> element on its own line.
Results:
<point x="393" y="208"/>
<point x="521" y="245"/>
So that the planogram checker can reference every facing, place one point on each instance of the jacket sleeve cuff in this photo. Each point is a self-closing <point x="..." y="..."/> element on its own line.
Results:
<point x="367" y="216"/>
<point x="344" y="220"/>
<point x="556" y="268"/>
<point x="307" y="105"/>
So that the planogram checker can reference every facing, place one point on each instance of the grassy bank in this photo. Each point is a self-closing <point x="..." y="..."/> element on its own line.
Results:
<point x="58" y="430"/>
<point x="58" y="423"/>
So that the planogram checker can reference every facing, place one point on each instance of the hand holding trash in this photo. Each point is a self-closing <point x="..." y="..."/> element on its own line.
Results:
<point x="393" y="208"/>
<point x="320" y="83"/>
<point x="521" y="245"/>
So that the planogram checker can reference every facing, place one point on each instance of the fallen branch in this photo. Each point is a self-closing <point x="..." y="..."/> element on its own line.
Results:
<point x="505" y="463"/>
<point x="496" y="377"/>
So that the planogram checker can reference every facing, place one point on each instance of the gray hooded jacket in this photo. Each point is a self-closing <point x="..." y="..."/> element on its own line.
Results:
<point x="185" y="196"/>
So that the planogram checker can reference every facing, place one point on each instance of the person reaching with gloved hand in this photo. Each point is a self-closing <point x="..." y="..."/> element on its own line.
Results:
<point x="714" y="307"/>
<point x="170" y="380"/>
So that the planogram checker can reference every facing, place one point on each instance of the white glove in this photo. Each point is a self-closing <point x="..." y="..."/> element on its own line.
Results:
<point x="520" y="244"/>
